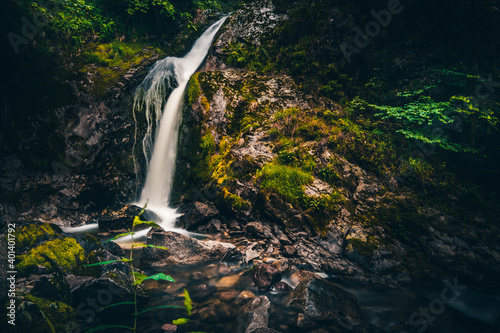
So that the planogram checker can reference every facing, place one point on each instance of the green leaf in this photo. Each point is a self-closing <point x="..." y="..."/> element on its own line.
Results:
<point x="120" y="235"/>
<point x="139" y="277"/>
<point x="121" y="303"/>
<point x="160" y="276"/>
<point x="188" y="303"/>
<point x="160" y="307"/>
<point x="106" y="262"/>
<point x="180" y="321"/>
<point x="104" y="327"/>
<point x="138" y="221"/>
<point x="150" y="245"/>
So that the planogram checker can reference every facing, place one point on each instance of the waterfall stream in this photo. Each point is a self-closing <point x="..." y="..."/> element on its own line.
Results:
<point x="159" y="144"/>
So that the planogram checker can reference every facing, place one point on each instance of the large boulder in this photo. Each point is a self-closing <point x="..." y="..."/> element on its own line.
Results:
<point x="181" y="249"/>
<point x="119" y="220"/>
<point x="317" y="300"/>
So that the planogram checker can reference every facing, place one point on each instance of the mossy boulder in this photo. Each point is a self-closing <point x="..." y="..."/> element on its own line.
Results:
<point x="33" y="234"/>
<point x="63" y="254"/>
<point x="43" y="316"/>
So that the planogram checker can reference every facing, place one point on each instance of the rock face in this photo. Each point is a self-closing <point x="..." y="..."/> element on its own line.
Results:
<point x="181" y="249"/>
<point x="318" y="300"/>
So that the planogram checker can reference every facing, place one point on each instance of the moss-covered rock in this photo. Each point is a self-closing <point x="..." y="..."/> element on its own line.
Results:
<point x="38" y="315"/>
<point x="63" y="254"/>
<point x="33" y="234"/>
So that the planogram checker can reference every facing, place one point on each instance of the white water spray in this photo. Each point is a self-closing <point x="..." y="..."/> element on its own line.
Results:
<point x="163" y="124"/>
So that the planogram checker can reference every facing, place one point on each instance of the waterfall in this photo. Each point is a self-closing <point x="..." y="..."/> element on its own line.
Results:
<point x="159" y="144"/>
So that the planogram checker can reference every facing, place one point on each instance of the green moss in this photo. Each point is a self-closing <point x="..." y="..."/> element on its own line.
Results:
<point x="39" y="315"/>
<point x="233" y="201"/>
<point x="286" y="181"/>
<point x="31" y="235"/>
<point x="194" y="90"/>
<point x="205" y="104"/>
<point x="60" y="254"/>
<point x="365" y="248"/>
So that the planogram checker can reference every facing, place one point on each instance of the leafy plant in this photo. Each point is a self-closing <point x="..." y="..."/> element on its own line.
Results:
<point x="138" y="278"/>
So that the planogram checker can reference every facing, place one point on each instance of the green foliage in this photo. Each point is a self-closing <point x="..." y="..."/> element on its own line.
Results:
<point x="432" y="122"/>
<point x="164" y="7"/>
<point x="286" y="181"/>
<point x="329" y="174"/>
<point x="255" y="58"/>
<point x="107" y="262"/>
<point x="76" y="21"/>
<point x="188" y="303"/>
<point x="207" y="144"/>
<point x="180" y="321"/>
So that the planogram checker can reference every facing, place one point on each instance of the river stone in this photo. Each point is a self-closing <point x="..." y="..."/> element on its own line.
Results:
<point x="265" y="276"/>
<point x="181" y="249"/>
<point x="317" y="300"/>
<point x="169" y="328"/>
<point x="245" y="295"/>
<point x="202" y="291"/>
<point x="257" y="315"/>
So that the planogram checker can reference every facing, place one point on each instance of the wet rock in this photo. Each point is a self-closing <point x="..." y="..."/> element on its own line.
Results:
<point x="40" y="270"/>
<point x="245" y="295"/>
<point x="74" y="282"/>
<point x="112" y="287"/>
<point x="255" y="315"/>
<point x="298" y="276"/>
<point x="257" y="229"/>
<point x="213" y="226"/>
<point x="281" y="265"/>
<point x="198" y="276"/>
<point x="223" y="269"/>
<point x="227" y="296"/>
<point x="202" y="291"/>
<point x="197" y="215"/>
<point x="318" y="300"/>
<point x="225" y="311"/>
<point x="289" y="251"/>
<point x="169" y="328"/>
<point x="282" y="286"/>
<point x="229" y="281"/>
<point x="250" y="253"/>
<point x="367" y="328"/>
<point x="265" y="276"/>
<point x="181" y="249"/>
<point x="46" y="288"/>
<point x="120" y="220"/>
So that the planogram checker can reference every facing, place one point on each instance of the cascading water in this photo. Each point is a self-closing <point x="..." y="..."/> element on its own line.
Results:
<point x="163" y="123"/>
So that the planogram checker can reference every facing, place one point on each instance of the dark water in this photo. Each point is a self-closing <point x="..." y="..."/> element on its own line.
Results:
<point x="220" y="309"/>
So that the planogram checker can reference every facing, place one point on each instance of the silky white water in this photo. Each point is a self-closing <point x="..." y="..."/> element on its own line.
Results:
<point x="159" y="144"/>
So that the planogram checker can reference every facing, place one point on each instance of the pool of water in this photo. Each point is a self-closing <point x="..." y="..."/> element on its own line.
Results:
<point x="217" y="306"/>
